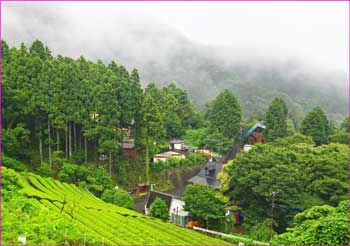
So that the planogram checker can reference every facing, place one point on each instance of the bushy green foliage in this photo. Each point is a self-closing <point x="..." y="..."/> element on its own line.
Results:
<point x="318" y="225"/>
<point x="294" y="139"/>
<point x="276" y="120"/>
<point x="96" y="180"/>
<point x="11" y="180"/>
<point x="45" y="170"/>
<point x="303" y="175"/>
<point x="71" y="173"/>
<point x="196" y="137"/>
<point x="159" y="209"/>
<point x="261" y="231"/>
<point x="16" y="142"/>
<point x="205" y="204"/>
<point x="13" y="163"/>
<point x="316" y="125"/>
<point x="340" y="136"/>
<point x="345" y="125"/>
<point x="118" y="197"/>
<point x="99" y="181"/>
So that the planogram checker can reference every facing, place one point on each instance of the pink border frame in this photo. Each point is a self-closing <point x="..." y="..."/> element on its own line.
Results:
<point x="1" y="1"/>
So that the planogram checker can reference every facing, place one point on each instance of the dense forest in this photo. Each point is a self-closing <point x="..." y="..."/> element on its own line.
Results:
<point x="68" y="119"/>
<point x="79" y="107"/>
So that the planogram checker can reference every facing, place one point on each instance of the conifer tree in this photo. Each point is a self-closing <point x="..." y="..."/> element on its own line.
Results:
<point x="316" y="125"/>
<point x="225" y="118"/>
<point x="276" y="120"/>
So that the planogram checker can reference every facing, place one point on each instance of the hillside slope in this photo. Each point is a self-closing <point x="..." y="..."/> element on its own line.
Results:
<point x="58" y="212"/>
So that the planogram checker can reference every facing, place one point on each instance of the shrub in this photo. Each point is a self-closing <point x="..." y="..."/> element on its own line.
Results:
<point x="98" y="181"/>
<point x="78" y="157"/>
<point x="159" y="209"/>
<point x="118" y="197"/>
<point x="45" y="170"/>
<point x="13" y="163"/>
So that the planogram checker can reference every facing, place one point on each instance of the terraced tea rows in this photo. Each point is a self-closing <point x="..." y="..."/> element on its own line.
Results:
<point x="101" y="220"/>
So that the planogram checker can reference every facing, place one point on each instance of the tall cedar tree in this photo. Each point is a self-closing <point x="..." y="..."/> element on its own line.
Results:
<point x="153" y="130"/>
<point x="225" y="117"/>
<point x="276" y="120"/>
<point x="316" y="125"/>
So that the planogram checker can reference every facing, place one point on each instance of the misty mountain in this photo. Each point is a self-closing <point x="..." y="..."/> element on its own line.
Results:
<point x="204" y="75"/>
<point x="163" y="54"/>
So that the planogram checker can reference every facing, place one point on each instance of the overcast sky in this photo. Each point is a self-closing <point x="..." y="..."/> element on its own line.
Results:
<point x="314" y="33"/>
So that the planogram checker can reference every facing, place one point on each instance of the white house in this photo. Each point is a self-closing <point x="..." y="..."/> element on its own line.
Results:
<point x="175" y="205"/>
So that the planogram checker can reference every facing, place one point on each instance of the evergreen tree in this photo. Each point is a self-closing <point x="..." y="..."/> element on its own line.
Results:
<point x="5" y="52"/>
<point x="136" y="102"/>
<point x="316" y="125"/>
<point x="38" y="49"/>
<point x="225" y="117"/>
<point x="153" y="130"/>
<point x="345" y="125"/>
<point x="276" y="120"/>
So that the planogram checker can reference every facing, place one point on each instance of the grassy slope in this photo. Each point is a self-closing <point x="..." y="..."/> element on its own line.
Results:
<point x="104" y="221"/>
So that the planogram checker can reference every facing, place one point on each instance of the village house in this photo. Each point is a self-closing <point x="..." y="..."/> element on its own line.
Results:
<point x="164" y="156"/>
<point x="174" y="204"/>
<point x="129" y="150"/>
<point x="254" y="135"/>
<point x="206" y="151"/>
<point x="208" y="175"/>
<point x="177" y="145"/>
<point x="180" y="147"/>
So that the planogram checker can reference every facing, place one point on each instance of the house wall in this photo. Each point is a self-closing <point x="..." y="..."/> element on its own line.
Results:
<point x="178" y="146"/>
<point x="176" y="204"/>
<point x="247" y="147"/>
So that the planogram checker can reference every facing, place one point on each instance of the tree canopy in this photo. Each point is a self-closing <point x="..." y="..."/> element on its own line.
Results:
<point x="276" y="119"/>
<point x="303" y="175"/>
<point x="318" y="225"/>
<point x="316" y="125"/>
<point x="159" y="209"/>
<point x="204" y="204"/>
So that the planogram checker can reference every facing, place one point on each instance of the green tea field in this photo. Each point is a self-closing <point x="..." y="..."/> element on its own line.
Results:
<point x="91" y="219"/>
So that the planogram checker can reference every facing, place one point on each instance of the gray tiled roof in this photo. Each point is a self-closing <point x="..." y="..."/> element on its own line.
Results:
<point x="202" y="178"/>
<point x="164" y="196"/>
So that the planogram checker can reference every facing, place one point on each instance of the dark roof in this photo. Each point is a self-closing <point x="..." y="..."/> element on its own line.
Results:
<point x="128" y="145"/>
<point x="256" y="126"/>
<point x="202" y="178"/>
<point x="164" y="196"/>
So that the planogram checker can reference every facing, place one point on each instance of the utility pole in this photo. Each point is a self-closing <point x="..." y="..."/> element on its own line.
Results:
<point x="273" y="195"/>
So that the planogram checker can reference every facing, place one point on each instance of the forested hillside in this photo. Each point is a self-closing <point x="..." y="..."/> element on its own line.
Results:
<point x="80" y="108"/>
<point x="205" y="74"/>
